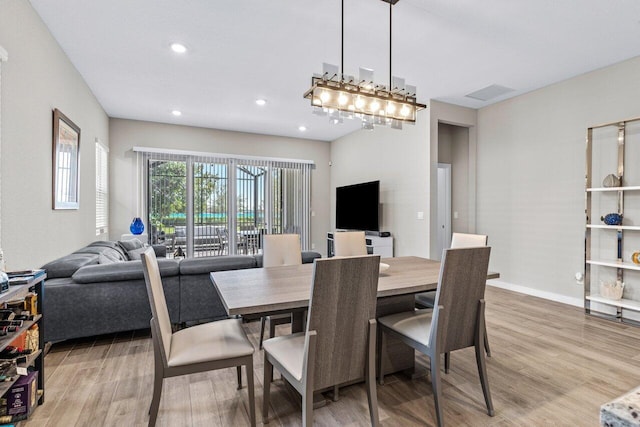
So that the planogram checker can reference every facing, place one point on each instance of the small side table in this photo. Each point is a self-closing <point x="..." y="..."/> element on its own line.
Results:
<point x="144" y="238"/>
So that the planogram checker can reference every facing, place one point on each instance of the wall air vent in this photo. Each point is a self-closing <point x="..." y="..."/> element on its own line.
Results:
<point x="489" y="92"/>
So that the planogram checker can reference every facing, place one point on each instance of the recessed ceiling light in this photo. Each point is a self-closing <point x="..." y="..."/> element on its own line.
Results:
<point x="176" y="113"/>
<point x="261" y="102"/>
<point x="302" y="128"/>
<point x="178" y="48"/>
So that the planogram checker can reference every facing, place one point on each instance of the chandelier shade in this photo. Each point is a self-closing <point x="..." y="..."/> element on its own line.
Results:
<point x="340" y="96"/>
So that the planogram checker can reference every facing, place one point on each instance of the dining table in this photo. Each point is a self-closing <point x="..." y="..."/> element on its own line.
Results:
<point x="287" y="289"/>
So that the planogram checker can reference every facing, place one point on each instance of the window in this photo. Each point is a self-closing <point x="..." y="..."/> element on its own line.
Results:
<point x="203" y="205"/>
<point x="102" y="189"/>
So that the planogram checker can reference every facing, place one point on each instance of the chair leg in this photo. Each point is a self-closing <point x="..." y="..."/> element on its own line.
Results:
<point x="262" y="322"/>
<point x="155" y="400"/>
<point x="268" y="377"/>
<point x="383" y="345"/>
<point x="239" y="371"/>
<point x="372" y="393"/>
<point x="447" y="362"/>
<point x="272" y="329"/>
<point x="336" y="393"/>
<point x="250" y="389"/>
<point x="436" y="385"/>
<point x="307" y="409"/>
<point x="484" y="380"/>
<point x="486" y="341"/>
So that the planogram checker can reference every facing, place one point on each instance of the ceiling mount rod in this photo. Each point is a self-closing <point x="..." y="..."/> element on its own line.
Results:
<point x="390" y="9"/>
<point x="342" y="42"/>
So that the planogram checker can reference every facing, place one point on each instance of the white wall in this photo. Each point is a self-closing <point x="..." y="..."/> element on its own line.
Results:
<point x="399" y="159"/>
<point x="125" y="134"/>
<point x="530" y="182"/>
<point x="37" y="78"/>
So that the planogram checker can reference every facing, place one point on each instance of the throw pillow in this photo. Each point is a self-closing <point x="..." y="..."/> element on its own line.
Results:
<point x="129" y="245"/>
<point x="135" y="253"/>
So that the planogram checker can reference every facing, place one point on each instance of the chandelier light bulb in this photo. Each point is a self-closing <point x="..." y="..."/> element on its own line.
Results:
<point x="391" y="108"/>
<point x="375" y="106"/>
<point x="405" y="111"/>
<point x="359" y="103"/>
<point x="343" y="99"/>
<point x="325" y="97"/>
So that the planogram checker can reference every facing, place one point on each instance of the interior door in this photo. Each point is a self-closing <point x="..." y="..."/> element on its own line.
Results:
<point x="444" y="209"/>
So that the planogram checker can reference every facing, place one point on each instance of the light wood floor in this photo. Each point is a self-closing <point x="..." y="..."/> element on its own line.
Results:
<point x="551" y="365"/>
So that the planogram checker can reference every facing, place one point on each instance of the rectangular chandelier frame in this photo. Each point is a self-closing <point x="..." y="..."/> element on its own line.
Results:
<point x="365" y="99"/>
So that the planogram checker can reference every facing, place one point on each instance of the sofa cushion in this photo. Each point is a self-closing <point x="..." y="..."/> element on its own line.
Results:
<point x="203" y="265"/>
<point x="130" y="270"/>
<point x="68" y="265"/>
<point x="102" y="251"/>
<point x="131" y="244"/>
<point x="109" y="244"/>
<point x="135" y="254"/>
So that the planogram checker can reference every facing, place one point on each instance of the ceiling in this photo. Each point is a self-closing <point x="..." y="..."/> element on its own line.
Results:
<point x="242" y="50"/>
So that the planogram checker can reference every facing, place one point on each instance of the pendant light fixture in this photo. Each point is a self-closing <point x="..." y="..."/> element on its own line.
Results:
<point x="340" y="96"/>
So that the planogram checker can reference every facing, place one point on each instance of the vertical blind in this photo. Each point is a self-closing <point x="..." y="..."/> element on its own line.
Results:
<point x="102" y="189"/>
<point x="195" y="200"/>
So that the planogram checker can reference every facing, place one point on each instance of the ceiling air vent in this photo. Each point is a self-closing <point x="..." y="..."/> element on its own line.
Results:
<point x="489" y="92"/>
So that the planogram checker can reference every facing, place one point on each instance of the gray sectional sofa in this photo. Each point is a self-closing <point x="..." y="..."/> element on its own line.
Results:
<point x="100" y="289"/>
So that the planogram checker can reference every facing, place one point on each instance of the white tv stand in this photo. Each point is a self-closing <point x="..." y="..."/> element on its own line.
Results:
<point x="382" y="246"/>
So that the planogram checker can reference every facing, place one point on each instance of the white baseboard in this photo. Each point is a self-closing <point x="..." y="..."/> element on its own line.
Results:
<point x="577" y="302"/>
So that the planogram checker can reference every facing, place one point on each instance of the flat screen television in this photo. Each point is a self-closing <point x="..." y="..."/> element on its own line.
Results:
<point x="357" y="206"/>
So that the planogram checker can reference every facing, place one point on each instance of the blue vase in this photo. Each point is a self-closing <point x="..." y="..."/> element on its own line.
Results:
<point x="612" y="219"/>
<point x="137" y="226"/>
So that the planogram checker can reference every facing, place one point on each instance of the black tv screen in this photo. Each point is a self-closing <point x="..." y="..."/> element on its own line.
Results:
<point x="357" y="206"/>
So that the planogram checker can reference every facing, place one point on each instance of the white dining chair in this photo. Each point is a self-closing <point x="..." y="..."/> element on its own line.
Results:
<point x="200" y="348"/>
<point x="349" y="243"/>
<point x="279" y="250"/>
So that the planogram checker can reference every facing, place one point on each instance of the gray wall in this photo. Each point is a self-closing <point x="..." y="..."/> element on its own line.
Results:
<point x="125" y="134"/>
<point x="37" y="78"/>
<point x="531" y="168"/>
<point x="399" y="159"/>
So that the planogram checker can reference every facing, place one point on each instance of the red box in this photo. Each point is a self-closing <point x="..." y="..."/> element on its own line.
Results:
<point x="23" y="394"/>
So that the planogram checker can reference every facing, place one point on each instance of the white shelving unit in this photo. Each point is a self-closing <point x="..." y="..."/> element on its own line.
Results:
<point x="598" y="239"/>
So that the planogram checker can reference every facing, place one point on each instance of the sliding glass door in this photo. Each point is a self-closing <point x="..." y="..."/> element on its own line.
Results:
<point x="209" y="206"/>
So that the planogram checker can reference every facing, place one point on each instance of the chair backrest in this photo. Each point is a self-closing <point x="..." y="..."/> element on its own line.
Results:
<point x="462" y="282"/>
<point x="343" y="300"/>
<point x="463" y="240"/>
<point x="281" y="249"/>
<point x="159" y="311"/>
<point x="349" y="243"/>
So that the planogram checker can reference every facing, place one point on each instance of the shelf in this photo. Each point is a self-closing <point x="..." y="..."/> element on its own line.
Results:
<point x="615" y="264"/>
<point x="615" y="227"/>
<point x="15" y="292"/>
<point x="31" y="358"/>
<point x="622" y="303"/>
<point x="602" y="189"/>
<point x="7" y="339"/>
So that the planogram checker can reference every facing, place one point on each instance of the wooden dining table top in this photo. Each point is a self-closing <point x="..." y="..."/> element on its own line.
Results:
<point x="273" y="289"/>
